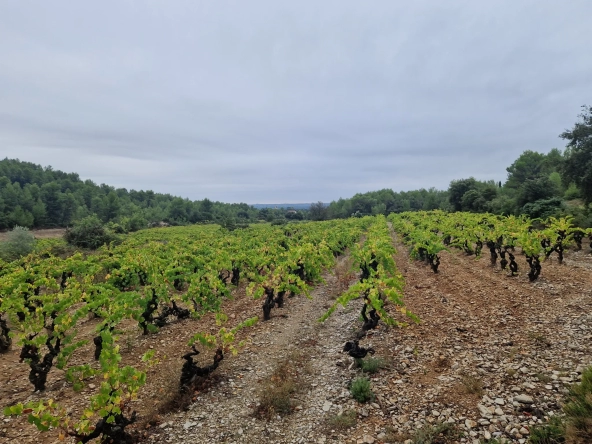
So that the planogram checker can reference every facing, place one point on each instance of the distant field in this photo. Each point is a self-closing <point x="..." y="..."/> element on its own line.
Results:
<point x="51" y="233"/>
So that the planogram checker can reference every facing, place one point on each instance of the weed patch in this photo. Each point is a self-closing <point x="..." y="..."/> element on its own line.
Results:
<point x="436" y="434"/>
<point x="343" y="421"/>
<point x="276" y="396"/>
<point x="472" y="385"/>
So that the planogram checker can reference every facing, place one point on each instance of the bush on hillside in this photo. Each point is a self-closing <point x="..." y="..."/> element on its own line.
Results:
<point x="20" y="242"/>
<point x="134" y="223"/>
<point x="543" y="208"/>
<point x="88" y="233"/>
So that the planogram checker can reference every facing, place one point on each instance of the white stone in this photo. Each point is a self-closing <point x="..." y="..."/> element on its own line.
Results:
<point x="469" y="423"/>
<point x="523" y="399"/>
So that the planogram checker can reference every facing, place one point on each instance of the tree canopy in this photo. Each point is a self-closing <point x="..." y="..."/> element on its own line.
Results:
<point x="577" y="165"/>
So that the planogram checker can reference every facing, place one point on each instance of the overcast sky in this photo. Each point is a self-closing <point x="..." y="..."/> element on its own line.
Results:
<point x="289" y="101"/>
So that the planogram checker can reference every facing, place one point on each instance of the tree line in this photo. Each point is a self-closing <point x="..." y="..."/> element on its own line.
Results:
<point x="538" y="184"/>
<point x="40" y="197"/>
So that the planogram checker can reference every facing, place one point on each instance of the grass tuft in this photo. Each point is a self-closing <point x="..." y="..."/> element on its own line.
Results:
<point x="552" y="432"/>
<point x="472" y="385"/>
<point x="361" y="390"/>
<point x="576" y="426"/>
<point x="275" y="398"/>
<point x="343" y="421"/>
<point x="435" y="434"/>
<point x="370" y="365"/>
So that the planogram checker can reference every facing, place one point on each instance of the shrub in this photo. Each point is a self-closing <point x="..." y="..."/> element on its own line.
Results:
<point x="370" y="365"/>
<point x="135" y="223"/>
<point x="88" y="233"/>
<point x="360" y="390"/>
<point x="578" y="410"/>
<point x="576" y="426"/>
<point x="115" y="228"/>
<point x="543" y="208"/>
<point x="551" y="433"/>
<point x="572" y="192"/>
<point x="19" y="243"/>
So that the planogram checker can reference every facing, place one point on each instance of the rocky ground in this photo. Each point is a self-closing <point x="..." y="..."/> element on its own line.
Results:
<point x="491" y="357"/>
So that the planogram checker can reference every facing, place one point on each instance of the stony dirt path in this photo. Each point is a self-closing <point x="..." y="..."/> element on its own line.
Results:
<point x="225" y="413"/>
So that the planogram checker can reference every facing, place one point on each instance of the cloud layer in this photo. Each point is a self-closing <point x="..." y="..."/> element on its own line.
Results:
<point x="289" y="101"/>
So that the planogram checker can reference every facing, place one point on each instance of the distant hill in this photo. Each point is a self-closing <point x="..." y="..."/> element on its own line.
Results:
<point x="296" y="206"/>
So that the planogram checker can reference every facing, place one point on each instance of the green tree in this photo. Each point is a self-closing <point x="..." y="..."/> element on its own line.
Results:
<point x="528" y="166"/>
<point x="473" y="201"/>
<point x="69" y="206"/>
<point x="577" y="166"/>
<point x="457" y="190"/>
<point x="53" y="204"/>
<point x="20" y="217"/>
<point x="111" y="206"/>
<point x="177" y="210"/>
<point x="318" y="211"/>
<point x="536" y="189"/>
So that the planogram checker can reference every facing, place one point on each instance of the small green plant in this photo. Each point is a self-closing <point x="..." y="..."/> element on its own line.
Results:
<point x="551" y="433"/>
<point x="20" y="242"/>
<point x="361" y="390"/>
<point x="543" y="378"/>
<point x="578" y="410"/>
<point x="370" y="365"/>
<point x="343" y="421"/>
<point x="576" y="426"/>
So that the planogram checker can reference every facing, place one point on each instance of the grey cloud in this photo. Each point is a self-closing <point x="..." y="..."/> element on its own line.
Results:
<point x="288" y="101"/>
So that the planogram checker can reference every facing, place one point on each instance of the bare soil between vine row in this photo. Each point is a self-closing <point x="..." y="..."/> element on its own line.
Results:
<point x="505" y="335"/>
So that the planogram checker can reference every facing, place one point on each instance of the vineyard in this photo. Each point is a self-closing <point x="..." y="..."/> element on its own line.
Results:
<point x="100" y="346"/>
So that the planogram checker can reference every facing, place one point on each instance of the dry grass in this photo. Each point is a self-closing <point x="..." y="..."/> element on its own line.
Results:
<point x="443" y="433"/>
<point x="539" y="339"/>
<point x="472" y="385"/>
<point x="543" y="378"/>
<point x="343" y="421"/>
<point x="171" y="399"/>
<point x="442" y="363"/>
<point x="343" y="276"/>
<point x="276" y="395"/>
